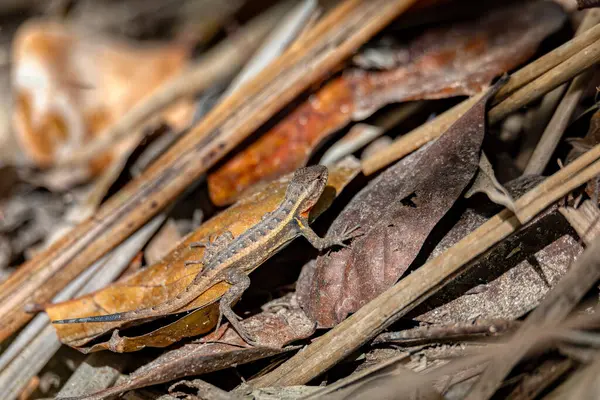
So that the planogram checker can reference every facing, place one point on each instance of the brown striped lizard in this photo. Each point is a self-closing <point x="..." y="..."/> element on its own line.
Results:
<point x="230" y="259"/>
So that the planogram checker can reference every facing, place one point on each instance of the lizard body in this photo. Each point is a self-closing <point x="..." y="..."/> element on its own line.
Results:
<point x="232" y="259"/>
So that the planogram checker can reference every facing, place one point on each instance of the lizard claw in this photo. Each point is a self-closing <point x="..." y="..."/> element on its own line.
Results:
<point x="248" y="338"/>
<point x="203" y="243"/>
<point x="348" y="234"/>
<point x="239" y="329"/>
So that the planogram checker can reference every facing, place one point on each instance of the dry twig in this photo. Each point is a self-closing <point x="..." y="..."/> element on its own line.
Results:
<point x="217" y="65"/>
<point x="332" y="40"/>
<point x="525" y="86"/>
<point x="388" y="307"/>
<point x="558" y="123"/>
<point x="558" y="303"/>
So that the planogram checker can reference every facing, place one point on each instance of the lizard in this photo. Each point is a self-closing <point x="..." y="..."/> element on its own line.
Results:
<point x="229" y="259"/>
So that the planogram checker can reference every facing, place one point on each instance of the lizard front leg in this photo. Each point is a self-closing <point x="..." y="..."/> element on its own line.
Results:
<point x="240" y="282"/>
<point x="211" y="249"/>
<point x="320" y="243"/>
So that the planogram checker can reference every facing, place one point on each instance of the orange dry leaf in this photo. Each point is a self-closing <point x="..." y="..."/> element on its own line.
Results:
<point x="70" y="85"/>
<point x="166" y="279"/>
<point x="457" y="60"/>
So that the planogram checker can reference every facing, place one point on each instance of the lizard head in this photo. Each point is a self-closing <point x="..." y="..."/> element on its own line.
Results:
<point x="307" y="185"/>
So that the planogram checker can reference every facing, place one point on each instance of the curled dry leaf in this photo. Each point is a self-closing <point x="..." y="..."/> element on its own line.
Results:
<point x="272" y="329"/>
<point x="396" y="212"/>
<point x="68" y="85"/>
<point x="166" y="279"/>
<point x="458" y="60"/>
<point x="486" y="182"/>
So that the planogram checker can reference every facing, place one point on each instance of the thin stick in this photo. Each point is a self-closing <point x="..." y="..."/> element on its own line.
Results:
<point x="582" y="384"/>
<point x="41" y="321"/>
<point x="530" y="92"/>
<point x="545" y="63"/>
<point x="362" y="134"/>
<point x="557" y="125"/>
<point x="416" y="138"/>
<point x="538" y="121"/>
<point x="545" y="83"/>
<point x="395" y="302"/>
<point x="335" y="37"/>
<point x="555" y="306"/>
<point x="98" y="371"/>
<point x="285" y="32"/>
<point x="44" y="344"/>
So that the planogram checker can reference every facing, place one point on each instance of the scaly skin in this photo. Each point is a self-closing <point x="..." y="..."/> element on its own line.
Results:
<point x="231" y="259"/>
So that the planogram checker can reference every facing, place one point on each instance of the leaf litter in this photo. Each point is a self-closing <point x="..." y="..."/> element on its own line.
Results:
<point x="460" y="59"/>
<point x="397" y="212"/>
<point x="161" y="281"/>
<point x="413" y="211"/>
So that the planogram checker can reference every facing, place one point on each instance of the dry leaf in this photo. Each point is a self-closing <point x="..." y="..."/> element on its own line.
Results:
<point x="166" y="279"/>
<point x="486" y="182"/>
<point x="457" y="60"/>
<point x="396" y="212"/>
<point x="68" y="85"/>
<point x="584" y="219"/>
<point x="510" y="279"/>
<point x="273" y="329"/>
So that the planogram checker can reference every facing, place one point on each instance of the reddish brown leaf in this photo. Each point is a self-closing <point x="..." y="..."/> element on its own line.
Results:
<point x="457" y="60"/>
<point x="166" y="279"/>
<point x="396" y="212"/>
<point x="273" y="329"/>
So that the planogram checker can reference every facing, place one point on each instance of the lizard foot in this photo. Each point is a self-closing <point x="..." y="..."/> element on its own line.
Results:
<point x="347" y="234"/>
<point x="248" y="338"/>
<point x="239" y="328"/>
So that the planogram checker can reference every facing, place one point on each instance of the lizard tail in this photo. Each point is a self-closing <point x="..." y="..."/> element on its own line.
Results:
<point x="134" y="315"/>
<point x="184" y="298"/>
<point x="98" y="318"/>
<point x="170" y="306"/>
<point x="144" y="313"/>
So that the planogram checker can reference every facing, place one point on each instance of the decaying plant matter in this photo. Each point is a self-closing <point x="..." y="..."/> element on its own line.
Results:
<point x="159" y="167"/>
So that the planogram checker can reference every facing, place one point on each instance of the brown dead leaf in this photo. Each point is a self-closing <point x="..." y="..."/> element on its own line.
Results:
<point x="522" y="283"/>
<point x="510" y="279"/>
<point x="273" y="329"/>
<point x="396" y="212"/>
<point x="486" y="182"/>
<point x="166" y="279"/>
<point x="88" y="82"/>
<point x="458" y="60"/>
